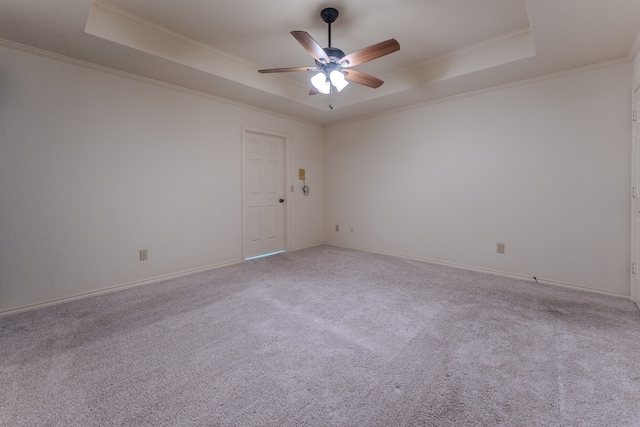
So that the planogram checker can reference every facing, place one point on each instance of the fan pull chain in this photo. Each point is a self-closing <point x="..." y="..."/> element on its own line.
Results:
<point x="331" y="97"/>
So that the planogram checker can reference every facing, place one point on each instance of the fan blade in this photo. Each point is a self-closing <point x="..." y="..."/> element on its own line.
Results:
<point x="286" y="70"/>
<point x="361" y="78"/>
<point x="310" y="45"/>
<point x="370" y="53"/>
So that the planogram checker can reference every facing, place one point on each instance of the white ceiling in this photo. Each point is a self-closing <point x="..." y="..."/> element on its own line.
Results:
<point x="448" y="47"/>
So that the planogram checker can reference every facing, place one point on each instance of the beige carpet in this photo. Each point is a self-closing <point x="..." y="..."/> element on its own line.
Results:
<point x="325" y="336"/>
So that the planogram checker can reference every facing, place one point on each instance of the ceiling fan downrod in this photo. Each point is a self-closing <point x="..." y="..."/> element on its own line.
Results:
<point x="329" y="15"/>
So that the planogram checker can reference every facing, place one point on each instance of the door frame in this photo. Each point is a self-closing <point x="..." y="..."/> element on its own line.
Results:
<point x="285" y="179"/>
<point x="635" y="196"/>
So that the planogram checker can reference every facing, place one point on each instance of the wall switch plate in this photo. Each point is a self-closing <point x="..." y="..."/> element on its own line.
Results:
<point x="352" y="230"/>
<point x="500" y="248"/>
<point x="144" y="255"/>
<point x="301" y="174"/>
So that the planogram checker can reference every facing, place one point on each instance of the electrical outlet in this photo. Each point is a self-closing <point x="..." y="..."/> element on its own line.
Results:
<point x="352" y="230"/>
<point x="337" y="227"/>
<point x="500" y="248"/>
<point x="144" y="255"/>
<point x="292" y="188"/>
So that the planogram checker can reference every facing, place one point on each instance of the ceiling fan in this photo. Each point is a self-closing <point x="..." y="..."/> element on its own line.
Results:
<point x="333" y="67"/>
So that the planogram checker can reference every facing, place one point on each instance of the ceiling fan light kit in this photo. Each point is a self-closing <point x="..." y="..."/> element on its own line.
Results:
<point x="333" y="67"/>
<point x="320" y="82"/>
<point x="338" y="80"/>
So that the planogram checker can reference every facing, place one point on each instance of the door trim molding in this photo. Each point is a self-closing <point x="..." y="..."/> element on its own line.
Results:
<point x="634" y="290"/>
<point x="285" y="175"/>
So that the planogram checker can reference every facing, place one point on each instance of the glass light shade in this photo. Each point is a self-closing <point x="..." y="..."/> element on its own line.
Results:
<point x="320" y="82"/>
<point x="338" y="80"/>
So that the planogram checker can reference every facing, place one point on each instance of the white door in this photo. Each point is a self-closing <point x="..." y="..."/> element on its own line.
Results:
<point x="263" y="216"/>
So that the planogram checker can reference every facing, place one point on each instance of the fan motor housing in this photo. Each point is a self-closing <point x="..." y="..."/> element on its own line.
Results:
<point x="334" y="55"/>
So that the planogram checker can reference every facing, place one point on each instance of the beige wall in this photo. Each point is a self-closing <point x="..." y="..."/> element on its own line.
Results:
<point x="95" y="166"/>
<point x="541" y="166"/>
<point x="635" y="88"/>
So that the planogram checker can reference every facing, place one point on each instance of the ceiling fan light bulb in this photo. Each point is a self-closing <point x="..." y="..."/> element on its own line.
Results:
<point x="326" y="88"/>
<point x="320" y="82"/>
<point x="338" y="80"/>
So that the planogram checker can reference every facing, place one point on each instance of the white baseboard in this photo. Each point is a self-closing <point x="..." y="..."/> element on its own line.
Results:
<point x="307" y="246"/>
<point x="129" y="285"/>
<point x="114" y="288"/>
<point x="489" y="271"/>
<point x="635" y="293"/>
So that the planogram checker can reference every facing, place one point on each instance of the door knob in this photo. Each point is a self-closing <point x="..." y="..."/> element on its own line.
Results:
<point x="281" y="200"/>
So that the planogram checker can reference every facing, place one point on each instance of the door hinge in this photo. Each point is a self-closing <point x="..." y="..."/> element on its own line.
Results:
<point x="634" y="192"/>
<point x="634" y="118"/>
<point x="633" y="268"/>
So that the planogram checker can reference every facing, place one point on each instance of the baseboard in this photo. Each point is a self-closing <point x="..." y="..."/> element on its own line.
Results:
<point x="634" y="297"/>
<point x="129" y="285"/>
<point x="115" y="288"/>
<point x="489" y="271"/>
<point x="298" y="248"/>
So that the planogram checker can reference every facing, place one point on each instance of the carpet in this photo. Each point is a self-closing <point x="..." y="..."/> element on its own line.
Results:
<point x="325" y="336"/>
